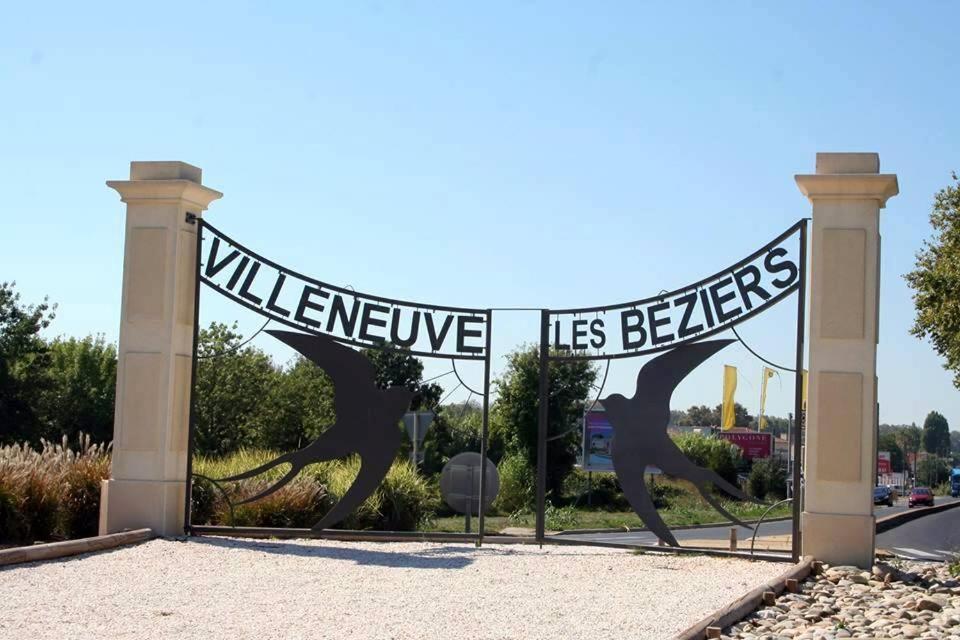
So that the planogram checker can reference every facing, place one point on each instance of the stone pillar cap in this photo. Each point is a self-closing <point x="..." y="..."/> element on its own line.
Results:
<point x="169" y="181"/>
<point x="848" y="176"/>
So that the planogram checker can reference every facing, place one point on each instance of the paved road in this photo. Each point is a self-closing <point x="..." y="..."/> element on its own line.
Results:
<point x="928" y="541"/>
<point x="935" y="537"/>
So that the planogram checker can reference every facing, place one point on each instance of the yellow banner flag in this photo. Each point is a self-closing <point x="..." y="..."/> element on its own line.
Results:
<point x="767" y="374"/>
<point x="728" y="415"/>
<point x="803" y="391"/>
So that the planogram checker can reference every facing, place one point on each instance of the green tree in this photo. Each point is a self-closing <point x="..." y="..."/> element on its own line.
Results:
<point x="716" y="454"/>
<point x="768" y="478"/>
<point x="518" y="403"/>
<point x="300" y="407"/>
<point x="397" y="368"/>
<point x="888" y="442"/>
<point x="233" y="390"/>
<point x="24" y="357"/>
<point x="909" y="438"/>
<point x="936" y="281"/>
<point x="456" y="428"/>
<point x="79" y="396"/>
<point x="932" y="471"/>
<point x="704" y="416"/>
<point x="936" y="434"/>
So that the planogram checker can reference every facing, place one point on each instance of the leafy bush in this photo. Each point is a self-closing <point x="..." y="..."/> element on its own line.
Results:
<point x="401" y="503"/>
<point x="560" y="518"/>
<point x="714" y="453"/>
<point x="53" y="493"/>
<point x="768" y="477"/>
<point x="518" y="485"/>
<point x="406" y="498"/>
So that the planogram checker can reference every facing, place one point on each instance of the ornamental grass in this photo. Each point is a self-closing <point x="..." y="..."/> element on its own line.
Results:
<point x="53" y="493"/>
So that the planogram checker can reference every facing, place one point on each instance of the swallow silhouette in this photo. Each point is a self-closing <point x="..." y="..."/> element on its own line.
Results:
<point x="366" y="423"/>
<point x="640" y="435"/>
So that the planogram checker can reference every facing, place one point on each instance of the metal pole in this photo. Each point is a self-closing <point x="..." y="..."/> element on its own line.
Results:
<point x="485" y="429"/>
<point x="188" y="489"/>
<point x="798" y="391"/>
<point x="543" y="416"/>
<point x="790" y="461"/>
<point x="589" y="488"/>
<point x="416" y="436"/>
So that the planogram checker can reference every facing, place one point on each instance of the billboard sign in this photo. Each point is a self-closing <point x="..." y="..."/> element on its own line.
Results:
<point x="597" y="442"/>
<point x="753" y="445"/>
<point x="884" y="464"/>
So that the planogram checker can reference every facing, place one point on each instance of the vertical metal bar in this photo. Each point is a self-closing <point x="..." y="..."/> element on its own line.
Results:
<point x="485" y="429"/>
<point x="543" y="416"/>
<point x="416" y="435"/>
<point x="188" y="488"/>
<point x="798" y="392"/>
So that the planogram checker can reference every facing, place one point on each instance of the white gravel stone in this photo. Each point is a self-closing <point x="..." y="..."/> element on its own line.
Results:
<point x="229" y="588"/>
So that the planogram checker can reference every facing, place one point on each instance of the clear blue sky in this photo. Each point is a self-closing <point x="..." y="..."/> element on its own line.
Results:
<point x="522" y="153"/>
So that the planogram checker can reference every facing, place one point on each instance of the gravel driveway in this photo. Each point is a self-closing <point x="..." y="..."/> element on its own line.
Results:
<point x="214" y="588"/>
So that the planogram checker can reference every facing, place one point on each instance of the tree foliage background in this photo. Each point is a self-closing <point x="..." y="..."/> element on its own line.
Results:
<point x="936" y="280"/>
<point x="517" y="407"/>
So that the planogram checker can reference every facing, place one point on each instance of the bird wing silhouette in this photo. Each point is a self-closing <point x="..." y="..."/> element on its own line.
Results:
<point x="352" y="372"/>
<point x="658" y="378"/>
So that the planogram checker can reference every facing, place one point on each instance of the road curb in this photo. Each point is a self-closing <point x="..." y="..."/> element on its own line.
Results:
<point x="682" y="527"/>
<point x="52" y="550"/>
<point x="890" y="522"/>
<point x="739" y="608"/>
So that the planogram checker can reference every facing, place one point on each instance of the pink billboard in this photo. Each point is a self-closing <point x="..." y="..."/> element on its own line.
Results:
<point x="753" y="445"/>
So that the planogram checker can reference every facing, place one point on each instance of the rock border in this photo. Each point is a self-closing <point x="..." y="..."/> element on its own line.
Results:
<point x="53" y="550"/>
<point x="739" y="608"/>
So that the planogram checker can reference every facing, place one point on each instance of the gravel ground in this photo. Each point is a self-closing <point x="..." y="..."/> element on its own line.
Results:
<point x="214" y="588"/>
<point x="906" y="600"/>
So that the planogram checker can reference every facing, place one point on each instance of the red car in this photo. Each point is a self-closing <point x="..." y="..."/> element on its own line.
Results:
<point x="920" y="495"/>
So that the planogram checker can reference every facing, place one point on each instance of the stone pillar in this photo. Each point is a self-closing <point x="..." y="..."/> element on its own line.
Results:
<point x="154" y="369"/>
<point x="847" y="193"/>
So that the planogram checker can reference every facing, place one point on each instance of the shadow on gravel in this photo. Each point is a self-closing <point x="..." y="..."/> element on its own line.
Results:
<point x="449" y="557"/>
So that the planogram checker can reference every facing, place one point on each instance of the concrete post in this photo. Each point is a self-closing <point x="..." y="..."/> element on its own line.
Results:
<point x="151" y="423"/>
<point x="847" y="193"/>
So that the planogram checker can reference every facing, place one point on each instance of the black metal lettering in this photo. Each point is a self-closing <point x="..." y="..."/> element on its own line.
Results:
<point x="248" y="282"/>
<point x="463" y="333"/>
<point x="658" y="322"/>
<point x="414" y="329"/>
<point x="579" y="333"/>
<point x="707" y="311"/>
<point x="719" y="300"/>
<point x="213" y="267"/>
<point x="232" y="282"/>
<point x="690" y="302"/>
<point x="627" y="327"/>
<point x="777" y="267"/>
<point x="556" y="337"/>
<point x="366" y="321"/>
<point x="753" y="286"/>
<point x="275" y="294"/>
<point x="339" y="310"/>
<point x="305" y="303"/>
<point x="436" y="341"/>
<point x="599" y="338"/>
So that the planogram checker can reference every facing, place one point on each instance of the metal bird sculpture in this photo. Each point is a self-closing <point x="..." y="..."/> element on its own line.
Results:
<point x="640" y="435"/>
<point x="366" y="423"/>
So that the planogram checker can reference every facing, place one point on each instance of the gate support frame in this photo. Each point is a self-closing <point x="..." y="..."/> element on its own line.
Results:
<point x="154" y="359"/>
<point x="847" y="193"/>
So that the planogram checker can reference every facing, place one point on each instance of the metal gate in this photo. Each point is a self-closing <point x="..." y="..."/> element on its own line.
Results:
<point x="678" y="330"/>
<point x="329" y="322"/>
